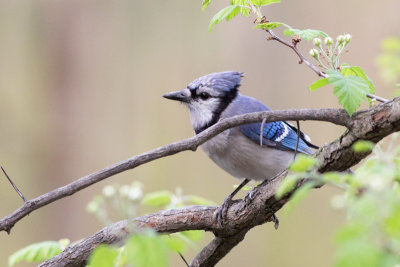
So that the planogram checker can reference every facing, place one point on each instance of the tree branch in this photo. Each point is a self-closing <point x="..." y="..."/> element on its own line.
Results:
<point x="255" y="209"/>
<point x="335" y="116"/>
<point x="320" y="73"/>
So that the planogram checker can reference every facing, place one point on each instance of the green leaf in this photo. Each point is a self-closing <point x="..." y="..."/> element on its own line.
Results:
<point x="225" y="13"/>
<point x="359" y="72"/>
<point x="104" y="256"/>
<point x="157" y="199"/>
<point x="297" y="196"/>
<point x="286" y="186"/>
<point x="147" y="249"/>
<point x="334" y="177"/>
<point x="392" y="224"/>
<point x="302" y="163"/>
<point x="245" y="7"/>
<point x="268" y="26"/>
<point x="307" y="34"/>
<point x="350" y="90"/>
<point x="363" y="146"/>
<point x="205" y="4"/>
<point x="193" y="235"/>
<point x="264" y="2"/>
<point x="196" y="200"/>
<point x="391" y="44"/>
<point x="36" y="252"/>
<point x="174" y="243"/>
<point x="359" y="252"/>
<point x="389" y="60"/>
<point x="319" y="83"/>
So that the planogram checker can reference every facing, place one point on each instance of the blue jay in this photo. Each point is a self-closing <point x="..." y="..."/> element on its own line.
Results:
<point x="214" y="97"/>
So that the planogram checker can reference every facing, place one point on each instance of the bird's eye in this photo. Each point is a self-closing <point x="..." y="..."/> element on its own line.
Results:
<point x="204" y="95"/>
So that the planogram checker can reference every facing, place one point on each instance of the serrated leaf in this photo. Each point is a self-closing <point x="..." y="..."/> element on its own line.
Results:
<point x="302" y="163"/>
<point x="196" y="200"/>
<point x="350" y="90"/>
<point x="174" y="243"/>
<point x="363" y="146"/>
<point x="286" y="186"/>
<point x="268" y="25"/>
<point x="147" y="249"/>
<point x="157" y="199"/>
<point x="359" y="72"/>
<point x="264" y="2"/>
<point x="244" y="7"/>
<point x="36" y="252"/>
<point x="224" y="14"/>
<point x="104" y="256"/>
<point x="318" y="84"/>
<point x="205" y="4"/>
<point x="307" y="34"/>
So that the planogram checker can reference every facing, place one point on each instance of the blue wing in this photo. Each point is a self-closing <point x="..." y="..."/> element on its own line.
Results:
<point x="277" y="134"/>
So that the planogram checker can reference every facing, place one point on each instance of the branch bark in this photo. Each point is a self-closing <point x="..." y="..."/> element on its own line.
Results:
<point x="335" y="116"/>
<point x="256" y="208"/>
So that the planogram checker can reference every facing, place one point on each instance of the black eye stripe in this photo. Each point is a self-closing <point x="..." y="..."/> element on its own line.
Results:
<point x="203" y="95"/>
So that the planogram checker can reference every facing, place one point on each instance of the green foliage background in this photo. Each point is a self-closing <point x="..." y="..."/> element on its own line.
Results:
<point x="77" y="80"/>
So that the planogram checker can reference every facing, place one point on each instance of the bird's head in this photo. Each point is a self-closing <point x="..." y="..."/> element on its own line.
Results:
<point x="208" y="96"/>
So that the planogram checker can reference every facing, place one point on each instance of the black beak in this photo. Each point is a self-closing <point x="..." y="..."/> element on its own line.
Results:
<point x="179" y="96"/>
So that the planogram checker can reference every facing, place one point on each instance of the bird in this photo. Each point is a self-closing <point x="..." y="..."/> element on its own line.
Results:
<point x="214" y="97"/>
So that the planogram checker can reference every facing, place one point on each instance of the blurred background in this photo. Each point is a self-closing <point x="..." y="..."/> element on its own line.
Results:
<point x="81" y="85"/>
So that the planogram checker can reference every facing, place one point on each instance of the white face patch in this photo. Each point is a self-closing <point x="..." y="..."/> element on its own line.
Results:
<point x="202" y="111"/>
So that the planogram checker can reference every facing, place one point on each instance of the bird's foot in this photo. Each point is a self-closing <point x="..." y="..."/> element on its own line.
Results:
<point x="275" y="220"/>
<point x="222" y="210"/>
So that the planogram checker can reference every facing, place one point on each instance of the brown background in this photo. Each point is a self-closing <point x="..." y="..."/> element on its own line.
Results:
<point x="81" y="85"/>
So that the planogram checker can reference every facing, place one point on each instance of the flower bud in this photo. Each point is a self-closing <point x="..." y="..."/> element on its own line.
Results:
<point x="328" y="41"/>
<point x="108" y="191"/>
<point x="314" y="53"/>
<point x="340" y="39"/>
<point x="124" y="190"/>
<point x="92" y="207"/>
<point x="317" y="42"/>
<point x="135" y="193"/>
<point x="347" y="38"/>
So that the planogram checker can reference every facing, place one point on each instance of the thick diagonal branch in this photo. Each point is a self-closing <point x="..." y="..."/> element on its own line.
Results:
<point x="372" y="124"/>
<point x="335" y="116"/>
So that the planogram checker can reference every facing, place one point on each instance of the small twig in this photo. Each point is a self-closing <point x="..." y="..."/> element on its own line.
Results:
<point x="378" y="98"/>
<point x="298" y="139"/>
<point x="183" y="258"/>
<point x="261" y="131"/>
<point x="15" y="187"/>
<point x="309" y="64"/>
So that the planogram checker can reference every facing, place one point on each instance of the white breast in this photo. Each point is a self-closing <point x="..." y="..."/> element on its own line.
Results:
<point x="242" y="158"/>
